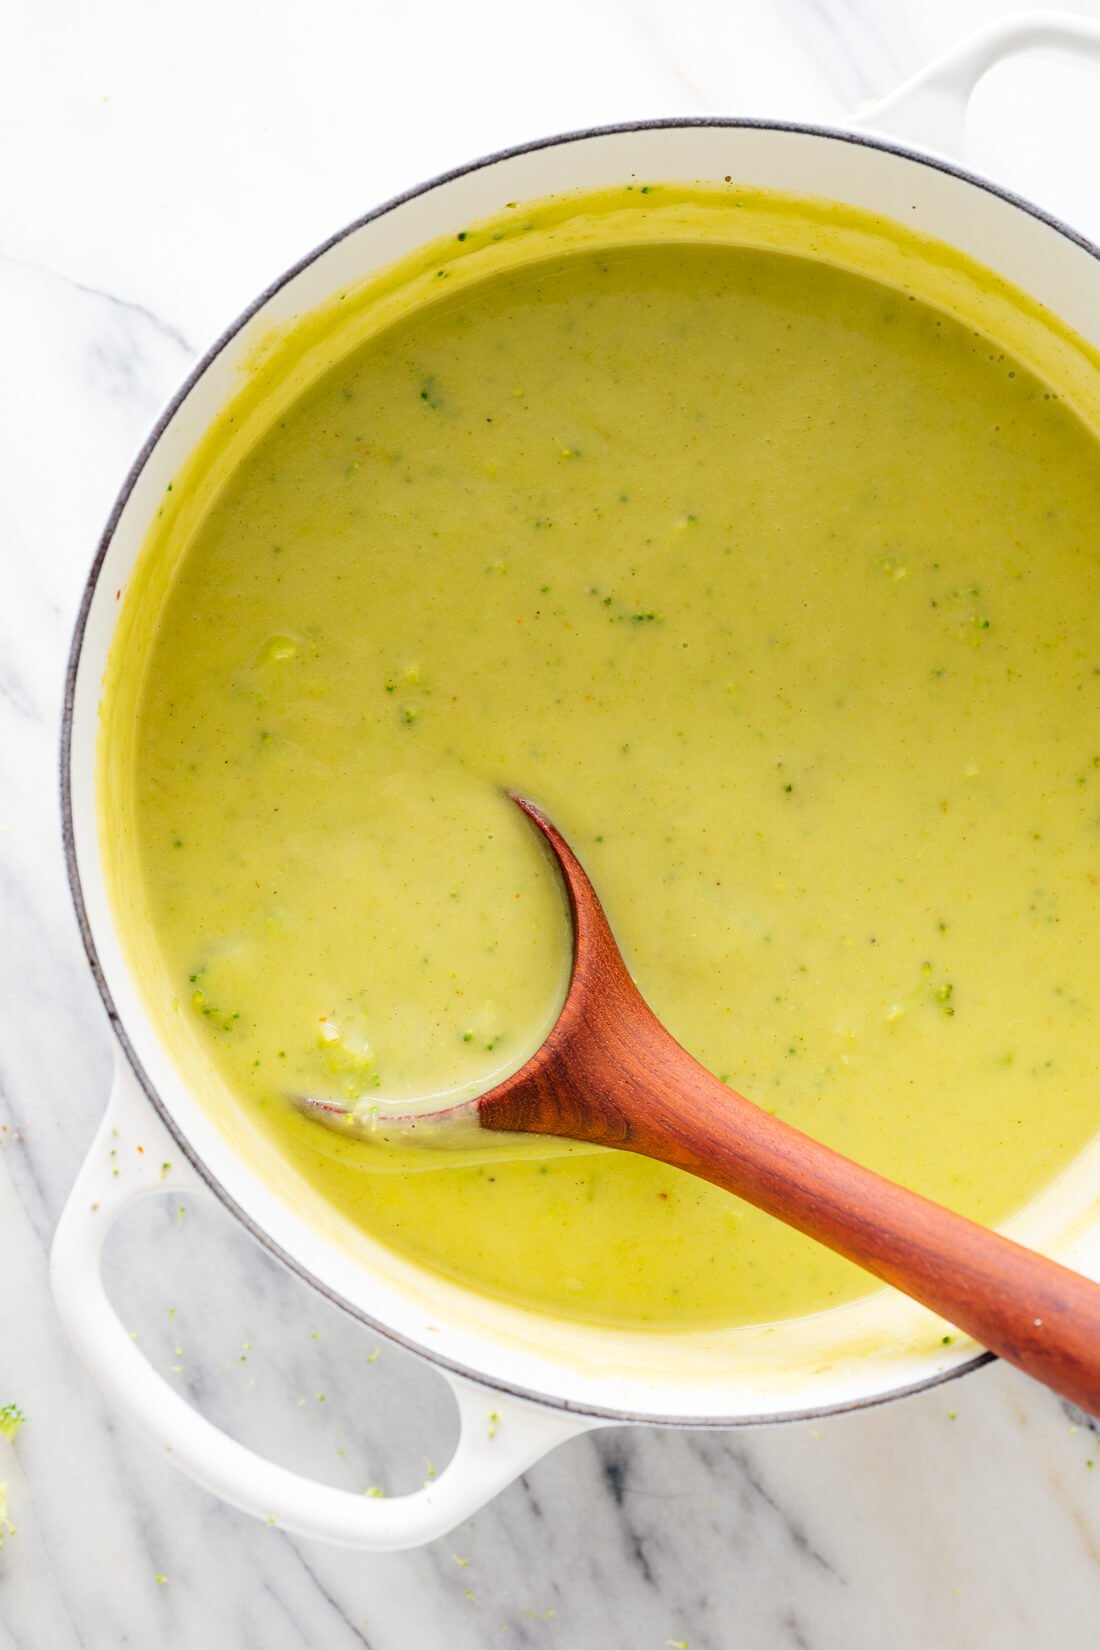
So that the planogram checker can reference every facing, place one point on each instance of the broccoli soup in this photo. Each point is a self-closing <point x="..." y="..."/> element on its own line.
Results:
<point x="757" y="542"/>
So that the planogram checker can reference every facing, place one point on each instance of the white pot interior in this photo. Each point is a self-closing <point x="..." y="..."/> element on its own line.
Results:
<point x="858" y="1353"/>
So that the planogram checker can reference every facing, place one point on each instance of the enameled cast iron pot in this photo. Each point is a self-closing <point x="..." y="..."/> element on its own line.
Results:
<point x="545" y="1382"/>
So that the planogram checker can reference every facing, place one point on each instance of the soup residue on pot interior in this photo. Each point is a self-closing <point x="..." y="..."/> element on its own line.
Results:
<point x="776" y="585"/>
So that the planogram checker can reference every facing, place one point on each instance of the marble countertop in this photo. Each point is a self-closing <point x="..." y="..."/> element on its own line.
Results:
<point x="159" y="166"/>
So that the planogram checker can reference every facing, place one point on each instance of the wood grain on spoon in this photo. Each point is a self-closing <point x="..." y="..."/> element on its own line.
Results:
<point x="609" y="1073"/>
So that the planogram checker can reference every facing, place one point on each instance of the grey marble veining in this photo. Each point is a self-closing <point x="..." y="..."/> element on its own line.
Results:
<point x="860" y="48"/>
<point x="166" y="165"/>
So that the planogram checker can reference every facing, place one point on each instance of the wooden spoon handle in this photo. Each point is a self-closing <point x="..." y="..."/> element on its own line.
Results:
<point x="611" y="1074"/>
<point x="1030" y="1310"/>
<point x="654" y="1099"/>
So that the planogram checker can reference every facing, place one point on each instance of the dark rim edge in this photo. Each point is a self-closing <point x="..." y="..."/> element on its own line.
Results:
<point x="550" y="1401"/>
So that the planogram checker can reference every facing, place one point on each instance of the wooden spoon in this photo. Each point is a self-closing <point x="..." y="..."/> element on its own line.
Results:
<point x="610" y="1074"/>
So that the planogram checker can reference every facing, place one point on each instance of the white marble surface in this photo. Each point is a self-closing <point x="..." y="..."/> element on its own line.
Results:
<point x="157" y="166"/>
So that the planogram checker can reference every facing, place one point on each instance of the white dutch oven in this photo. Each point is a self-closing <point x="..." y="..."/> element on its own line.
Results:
<point x="542" y="1381"/>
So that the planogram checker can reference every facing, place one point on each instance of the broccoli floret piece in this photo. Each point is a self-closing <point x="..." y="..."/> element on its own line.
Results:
<point x="11" y="1419"/>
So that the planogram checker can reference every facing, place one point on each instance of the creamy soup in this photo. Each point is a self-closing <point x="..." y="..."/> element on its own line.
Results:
<point x="778" y="587"/>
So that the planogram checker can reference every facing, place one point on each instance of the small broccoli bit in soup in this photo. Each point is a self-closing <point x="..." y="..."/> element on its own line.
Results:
<point x="778" y="587"/>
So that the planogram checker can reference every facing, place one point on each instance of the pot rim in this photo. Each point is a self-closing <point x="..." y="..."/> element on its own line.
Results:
<point x="452" y="1366"/>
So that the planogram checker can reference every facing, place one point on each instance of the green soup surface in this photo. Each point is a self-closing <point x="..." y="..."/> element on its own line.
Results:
<point x="779" y="589"/>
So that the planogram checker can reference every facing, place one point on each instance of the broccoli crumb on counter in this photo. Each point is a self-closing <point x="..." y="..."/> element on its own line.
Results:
<point x="11" y="1419"/>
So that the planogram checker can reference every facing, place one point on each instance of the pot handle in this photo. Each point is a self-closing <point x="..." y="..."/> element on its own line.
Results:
<point x="930" y="109"/>
<point x="132" y="1157"/>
